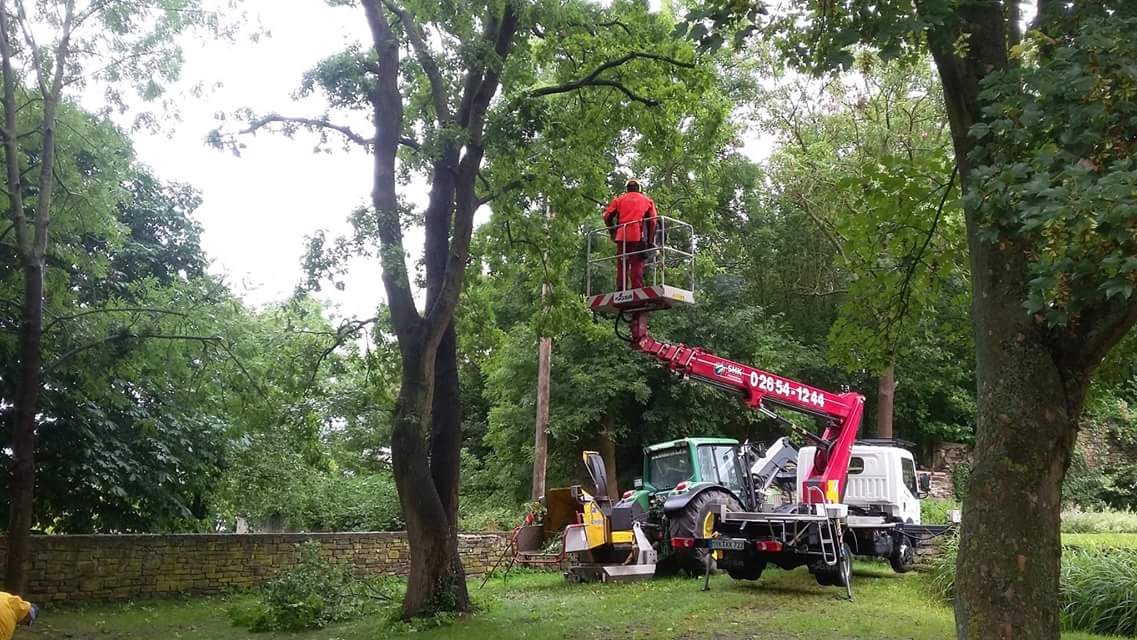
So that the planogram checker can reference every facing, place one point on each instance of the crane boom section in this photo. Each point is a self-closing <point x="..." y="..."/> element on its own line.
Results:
<point x="842" y="412"/>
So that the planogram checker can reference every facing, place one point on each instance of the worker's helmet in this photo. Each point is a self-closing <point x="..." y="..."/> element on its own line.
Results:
<point x="632" y="185"/>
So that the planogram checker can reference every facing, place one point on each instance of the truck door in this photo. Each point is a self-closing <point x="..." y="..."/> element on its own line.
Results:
<point x="910" y="501"/>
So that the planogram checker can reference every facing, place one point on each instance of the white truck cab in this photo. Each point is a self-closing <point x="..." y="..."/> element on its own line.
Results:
<point x="882" y="480"/>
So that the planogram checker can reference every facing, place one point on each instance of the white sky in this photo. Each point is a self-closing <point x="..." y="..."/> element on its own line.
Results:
<point x="259" y="207"/>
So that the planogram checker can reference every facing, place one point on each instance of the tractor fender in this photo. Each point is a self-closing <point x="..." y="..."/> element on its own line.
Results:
<point x="679" y="501"/>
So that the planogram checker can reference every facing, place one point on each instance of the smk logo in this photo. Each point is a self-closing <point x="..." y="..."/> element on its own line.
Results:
<point x="719" y="368"/>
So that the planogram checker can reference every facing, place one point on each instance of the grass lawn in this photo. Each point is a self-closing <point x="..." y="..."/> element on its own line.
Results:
<point x="540" y="605"/>
<point x="1116" y="540"/>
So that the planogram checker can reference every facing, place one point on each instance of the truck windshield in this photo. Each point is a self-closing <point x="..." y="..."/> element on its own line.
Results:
<point x="669" y="468"/>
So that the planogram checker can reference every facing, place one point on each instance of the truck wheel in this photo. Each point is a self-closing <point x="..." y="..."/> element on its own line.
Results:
<point x="903" y="558"/>
<point x="840" y="574"/>
<point x="697" y="520"/>
<point x="751" y="571"/>
<point x="843" y="572"/>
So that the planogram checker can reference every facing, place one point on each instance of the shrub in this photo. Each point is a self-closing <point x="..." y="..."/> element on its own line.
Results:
<point x="1098" y="587"/>
<point x="1099" y="522"/>
<point x="960" y="474"/>
<point x="942" y="573"/>
<point x="1082" y="487"/>
<point x="489" y="517"/>
<point x="1119" y="489"/>
<point x="936" y="510"/>
<point x="1099" y="590"/>
<point x="310" y="595"/>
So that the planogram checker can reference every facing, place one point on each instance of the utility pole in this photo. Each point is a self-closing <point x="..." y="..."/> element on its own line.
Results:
<point x="544" y="364"/>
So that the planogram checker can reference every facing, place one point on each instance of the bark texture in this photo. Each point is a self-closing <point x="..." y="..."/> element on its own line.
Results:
<point x="885" y="399"/>
<point x="540" y="437"/>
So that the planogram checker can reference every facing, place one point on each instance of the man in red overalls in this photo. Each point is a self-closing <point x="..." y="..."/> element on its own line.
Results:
<point x="631" y="223"/>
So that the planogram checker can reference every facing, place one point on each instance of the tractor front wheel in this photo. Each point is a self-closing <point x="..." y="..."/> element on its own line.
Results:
<point x="697" y="520"/>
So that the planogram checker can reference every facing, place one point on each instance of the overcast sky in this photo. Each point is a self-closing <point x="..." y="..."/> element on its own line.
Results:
<point x="259" y="207"/>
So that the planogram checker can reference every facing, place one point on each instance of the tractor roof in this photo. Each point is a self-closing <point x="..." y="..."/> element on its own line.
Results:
<point x="683" y="442"/>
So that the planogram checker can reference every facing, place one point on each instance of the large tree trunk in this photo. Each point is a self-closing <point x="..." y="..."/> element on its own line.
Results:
<point x="446" y="453"/>
<point x="1028" y="401"/>
<point x="432" y="584"/>
<point x="540" y="438"/>
<point x="885" y="399"/>
<point x="22" y="484"/>
<point x="1028" y="409"/>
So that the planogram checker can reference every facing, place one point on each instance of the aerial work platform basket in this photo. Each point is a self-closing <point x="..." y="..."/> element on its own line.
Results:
<point x="668" y="269"/>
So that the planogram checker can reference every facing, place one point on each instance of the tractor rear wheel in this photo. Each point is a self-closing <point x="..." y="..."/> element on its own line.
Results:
<point x="697" y="520"/>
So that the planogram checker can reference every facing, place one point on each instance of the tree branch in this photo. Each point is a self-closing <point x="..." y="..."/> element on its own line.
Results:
<point x="346" y="330"/>
<point x="593" y="79"/>
<point x="310" y="123"/>
<point x="387" y="105"/>
<point x="905" y="293"/>
<point x="120" y="337"/>
<point x="426" y="61"/>
<point x="9" y="135"/>
<point x="492" y="195"/>
<point x="89" y="312"/>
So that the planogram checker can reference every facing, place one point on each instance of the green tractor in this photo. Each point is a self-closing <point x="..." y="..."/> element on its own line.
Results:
<point x="684" y="483"/>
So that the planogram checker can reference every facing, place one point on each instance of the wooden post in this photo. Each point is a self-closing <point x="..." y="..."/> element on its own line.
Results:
<point x="540" y="439"/>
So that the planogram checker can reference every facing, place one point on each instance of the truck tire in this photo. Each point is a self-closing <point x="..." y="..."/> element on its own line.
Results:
<point x="903" y="558"/>
<point x="696" y="520"/>
<point x="840" y="574"/>
<point x="751" y="571"/>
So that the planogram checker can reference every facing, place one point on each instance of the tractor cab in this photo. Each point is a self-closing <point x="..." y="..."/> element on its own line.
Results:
<point x="684" y="464"/>
<point x="668" y="261"/>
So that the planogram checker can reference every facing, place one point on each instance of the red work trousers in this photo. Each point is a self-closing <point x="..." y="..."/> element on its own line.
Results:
<point x="630" y="265"/>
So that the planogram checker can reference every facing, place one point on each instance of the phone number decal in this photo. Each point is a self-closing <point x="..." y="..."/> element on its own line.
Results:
<point x="802" y="394"/>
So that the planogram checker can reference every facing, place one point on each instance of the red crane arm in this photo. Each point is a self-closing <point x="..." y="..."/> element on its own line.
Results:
<point x="842" y="412"/>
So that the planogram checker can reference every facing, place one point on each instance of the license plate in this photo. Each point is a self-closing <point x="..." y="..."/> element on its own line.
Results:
<point x="727" y="544"/>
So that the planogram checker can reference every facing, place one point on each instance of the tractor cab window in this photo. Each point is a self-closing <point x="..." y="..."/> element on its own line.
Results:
<point x="669" y="468"/>
<point x="716" y="464"/>
<point x="728" y="468"/>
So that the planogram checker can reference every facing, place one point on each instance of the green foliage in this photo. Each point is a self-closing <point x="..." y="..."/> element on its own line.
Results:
<point x="937" y="511"/>
<point x="1052" y="169"/>
<point x="272" y="484"/>
<point x="960" y="476"/>
<point x="941" y="582"/>
<point x="1099" y="522"/>
<point x="310" y="595"/>
<point x="1099" y="590"/>
<point x="1097" y="586"/>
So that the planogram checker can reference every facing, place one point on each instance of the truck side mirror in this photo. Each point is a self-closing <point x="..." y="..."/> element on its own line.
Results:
<point x="924" y="480"/>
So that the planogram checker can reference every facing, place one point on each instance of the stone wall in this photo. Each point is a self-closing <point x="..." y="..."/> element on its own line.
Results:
<point x="942" y="488"/>
<point x="121" y="567"/>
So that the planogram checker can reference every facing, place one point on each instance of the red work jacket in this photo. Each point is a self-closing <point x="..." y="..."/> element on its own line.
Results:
<point x="632" y="207"/>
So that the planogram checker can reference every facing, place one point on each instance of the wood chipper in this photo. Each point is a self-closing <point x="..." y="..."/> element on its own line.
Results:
<point x="606" y="541"/>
